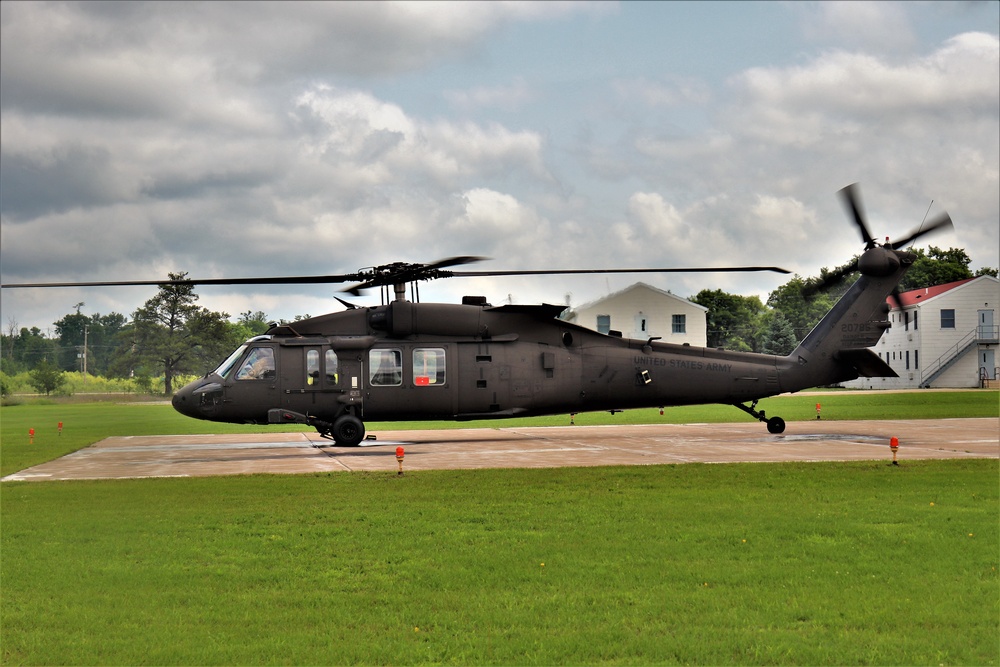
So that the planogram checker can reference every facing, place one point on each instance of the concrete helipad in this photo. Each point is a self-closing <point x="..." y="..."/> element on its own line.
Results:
<point x="538" y="447"/>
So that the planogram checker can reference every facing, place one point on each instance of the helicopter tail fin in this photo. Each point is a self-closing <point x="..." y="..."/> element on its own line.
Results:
<point x="837" y="349"/>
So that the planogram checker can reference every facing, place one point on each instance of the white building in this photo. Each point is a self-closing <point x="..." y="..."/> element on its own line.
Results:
<point x="942" y="336"/>
<point x="642" y="312"/>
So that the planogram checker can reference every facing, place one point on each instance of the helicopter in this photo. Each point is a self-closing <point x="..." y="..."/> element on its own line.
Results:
<point x="407" y="360"/>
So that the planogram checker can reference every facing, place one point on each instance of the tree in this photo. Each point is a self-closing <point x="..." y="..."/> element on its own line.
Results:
<point x="734" y="321"/>
<point x="72" y="331"/>
<point x="936" y="267"/>
<point x="47" y="377"/>
<point x="8" y="338"/>
<point x="173" y="335"/>
<point x="779" y="336"/>
<point x="802" y="312"/>
<point x="251" y="324"/>
<point x="97" y="332"/>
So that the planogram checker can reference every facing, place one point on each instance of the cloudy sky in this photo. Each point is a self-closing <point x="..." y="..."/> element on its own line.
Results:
<point x="252" y="139"/>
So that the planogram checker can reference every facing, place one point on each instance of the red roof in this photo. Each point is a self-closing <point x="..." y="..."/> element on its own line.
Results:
<point x="913" y="297"/>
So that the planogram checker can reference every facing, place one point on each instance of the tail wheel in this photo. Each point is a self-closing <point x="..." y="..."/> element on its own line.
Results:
<point x="775" y="425"/>
<point x="348" y="431"/>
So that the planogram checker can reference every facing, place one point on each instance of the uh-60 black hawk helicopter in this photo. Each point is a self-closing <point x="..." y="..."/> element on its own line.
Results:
<point x="410" y="361"/>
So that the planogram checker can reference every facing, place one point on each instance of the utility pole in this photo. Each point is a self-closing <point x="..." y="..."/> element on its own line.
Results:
<point x="86" y="330"/>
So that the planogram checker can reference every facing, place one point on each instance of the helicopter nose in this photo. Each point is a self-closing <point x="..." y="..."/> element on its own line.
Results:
<point x="183" y="403"/>
<point x="195" y="399"/>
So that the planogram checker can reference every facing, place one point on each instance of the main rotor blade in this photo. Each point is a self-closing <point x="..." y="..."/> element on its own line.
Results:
<point x="558" y="272"/>
<point x="453" y="261"/>
<point x="273" y="280"/>
<point x="942" y="221"/>
<point x="388" y="274"/>
<point x="851" y="197"/>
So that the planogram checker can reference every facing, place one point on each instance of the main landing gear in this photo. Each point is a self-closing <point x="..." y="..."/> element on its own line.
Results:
<point x="346" y="430"/>
<point x="774" y="424"/>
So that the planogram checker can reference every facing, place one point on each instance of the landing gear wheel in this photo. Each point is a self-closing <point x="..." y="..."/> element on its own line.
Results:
<point x="775" y="425"/>
<point x="348" y="431"/>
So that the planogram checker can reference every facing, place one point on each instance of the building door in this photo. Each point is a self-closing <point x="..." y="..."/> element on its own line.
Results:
<point x="987" y="330"/>
<point x="641" y="330"/>
<point x="987" y="365"/>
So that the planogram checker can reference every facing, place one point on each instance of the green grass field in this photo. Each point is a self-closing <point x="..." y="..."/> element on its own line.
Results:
<point x="819" y="563"/>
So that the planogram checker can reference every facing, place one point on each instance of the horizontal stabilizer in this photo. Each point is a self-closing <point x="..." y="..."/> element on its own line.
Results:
<point x="866" y="363"/>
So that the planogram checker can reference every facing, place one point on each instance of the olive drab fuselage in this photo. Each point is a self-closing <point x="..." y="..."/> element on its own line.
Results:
<point x="412" y="361"/>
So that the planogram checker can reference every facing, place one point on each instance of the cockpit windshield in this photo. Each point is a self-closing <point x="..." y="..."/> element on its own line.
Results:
<point x="228" y="364"/>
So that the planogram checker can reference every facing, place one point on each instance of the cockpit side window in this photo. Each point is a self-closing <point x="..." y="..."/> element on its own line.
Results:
<point x="258" y="365"/>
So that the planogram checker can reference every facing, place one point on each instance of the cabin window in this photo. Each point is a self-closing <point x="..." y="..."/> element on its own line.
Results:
<point x="332" y="367"/>
<point x="603" y="324"/>
<point x="428" y="367"/>
<point x="312" y="367"/>
<point x="385" y="368"/>
<point x="678" y="324"/>
<point x="259" y="365"/>
<point x="947" y="318"/>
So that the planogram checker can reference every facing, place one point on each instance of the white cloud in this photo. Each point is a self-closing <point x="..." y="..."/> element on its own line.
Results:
<point x="286" y="138"/>
<point x="873" y="25"/>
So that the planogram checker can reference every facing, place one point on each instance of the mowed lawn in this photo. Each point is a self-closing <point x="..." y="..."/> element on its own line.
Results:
<point x="797" y="563"/>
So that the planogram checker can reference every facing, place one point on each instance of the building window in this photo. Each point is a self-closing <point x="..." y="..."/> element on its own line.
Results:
<point x="947" y="318"/>
<point x="428" y="367"/>
<point x="915" y="319"/>
<point x="906" y="321"/>
<point x="907" y="360"/>
<point x="678" y="324"/>
<point x="603" y="324"/>
<point x="916" y="360"/>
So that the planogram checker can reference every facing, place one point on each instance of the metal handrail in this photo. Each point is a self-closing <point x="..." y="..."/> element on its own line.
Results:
<point x="936" y="365"/>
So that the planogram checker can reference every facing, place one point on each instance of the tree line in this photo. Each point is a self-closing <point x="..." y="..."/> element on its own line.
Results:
<point x="170" y="335"/>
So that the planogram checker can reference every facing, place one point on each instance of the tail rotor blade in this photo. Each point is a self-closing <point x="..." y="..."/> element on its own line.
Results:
<point x="831" y="279"/>
<point x="852" y="201"/>
<point x="895" y="297"/>
<point x="940" y="222"/>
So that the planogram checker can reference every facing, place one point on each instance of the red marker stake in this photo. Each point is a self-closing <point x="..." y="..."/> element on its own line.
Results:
<point x="399" y="459"/>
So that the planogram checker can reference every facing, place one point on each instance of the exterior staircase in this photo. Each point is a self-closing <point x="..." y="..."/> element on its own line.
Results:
<point x="971" y="341"/>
